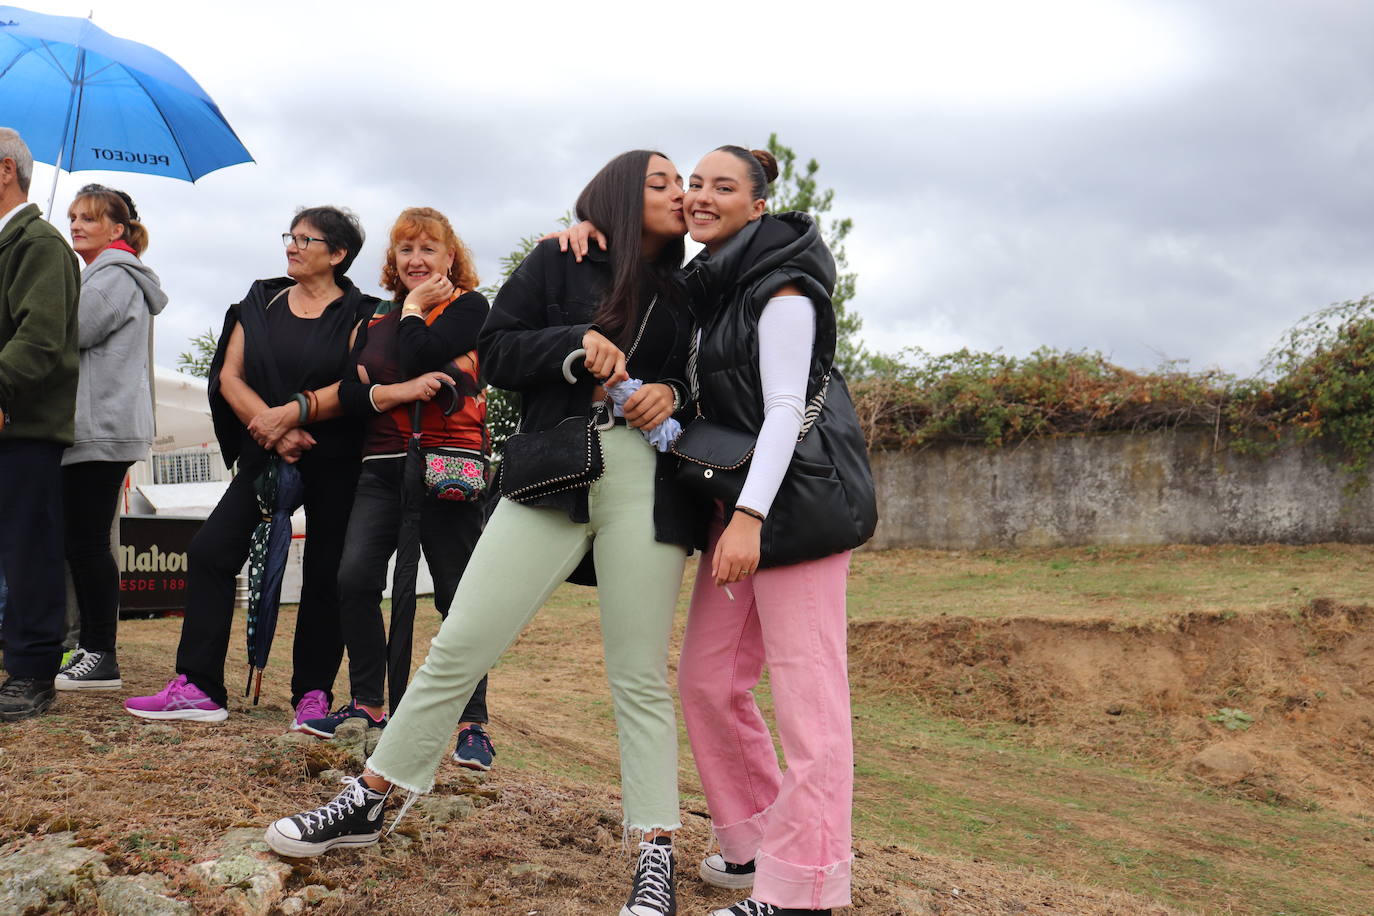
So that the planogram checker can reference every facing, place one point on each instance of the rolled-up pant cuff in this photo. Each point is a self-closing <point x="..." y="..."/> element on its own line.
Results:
<point x="805" y="887"/>
<point x="740" y="841"/>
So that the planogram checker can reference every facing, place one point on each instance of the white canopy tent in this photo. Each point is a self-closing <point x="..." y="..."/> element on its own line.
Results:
<point x="181" y="411"/>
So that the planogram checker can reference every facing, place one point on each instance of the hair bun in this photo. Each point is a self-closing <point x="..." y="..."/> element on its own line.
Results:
<point x="770" y="164"/>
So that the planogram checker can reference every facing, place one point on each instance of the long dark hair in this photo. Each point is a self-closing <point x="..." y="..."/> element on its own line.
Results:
<point x="613" y="201"/>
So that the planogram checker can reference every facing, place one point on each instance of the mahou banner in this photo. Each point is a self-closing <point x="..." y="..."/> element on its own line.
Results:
<point x="152" y="562"/>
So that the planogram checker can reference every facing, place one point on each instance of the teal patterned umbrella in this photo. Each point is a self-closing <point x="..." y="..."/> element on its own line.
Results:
<point x="280" y="492"/>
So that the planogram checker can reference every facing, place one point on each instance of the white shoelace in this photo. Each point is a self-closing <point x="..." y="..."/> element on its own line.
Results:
<point x="345" y="803"/>
<point x="752" y="907"/>
<point x="85" y="665"/>
<point x="653" y="876"/>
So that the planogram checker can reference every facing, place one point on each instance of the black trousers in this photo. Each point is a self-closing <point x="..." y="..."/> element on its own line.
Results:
<point x="218" y="552"/>
<point x="90" y="498"/>
<point x="31" y="556"/>
<point x="448" y="532"/>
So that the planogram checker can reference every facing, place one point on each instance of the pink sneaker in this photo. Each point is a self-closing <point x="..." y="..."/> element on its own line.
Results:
<point x="314" y="705"/>
<point x="180" y="699"/>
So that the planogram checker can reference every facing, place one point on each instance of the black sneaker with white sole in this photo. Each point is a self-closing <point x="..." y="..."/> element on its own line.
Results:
<point x="752" y="907"/>
<point x="90" y="671"/>
<point x="653" y="893"/>
<point x="717" y="872"/>
<point x="353" y="818"/>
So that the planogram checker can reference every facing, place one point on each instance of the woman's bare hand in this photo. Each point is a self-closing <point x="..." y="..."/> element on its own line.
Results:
<point x="605" y="361"/>
<point x="737" y="551"/>
<point x="292" y="445"/>
<point x="575" y="238"/>
<point x="270" y="425"/>
<point x="421" y="388"/>
<point x="649" y="406"/>
<point x="436" y="290"/>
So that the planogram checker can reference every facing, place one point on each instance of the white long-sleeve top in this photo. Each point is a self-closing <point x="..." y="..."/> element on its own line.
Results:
<point x="787" y="331"/>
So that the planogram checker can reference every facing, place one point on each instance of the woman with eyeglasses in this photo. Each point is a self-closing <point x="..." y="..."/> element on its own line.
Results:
<point x="274" y="386"/>
<point x="114" y="416"/>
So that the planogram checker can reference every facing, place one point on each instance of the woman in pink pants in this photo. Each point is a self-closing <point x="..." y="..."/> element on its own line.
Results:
<point x="770" y="589"/>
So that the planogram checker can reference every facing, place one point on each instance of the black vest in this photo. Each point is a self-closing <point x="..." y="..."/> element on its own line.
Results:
<point x="826" y="502"/>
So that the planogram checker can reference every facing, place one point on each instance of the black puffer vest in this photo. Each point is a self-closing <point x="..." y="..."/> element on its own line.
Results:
<point x="826" y="502"/>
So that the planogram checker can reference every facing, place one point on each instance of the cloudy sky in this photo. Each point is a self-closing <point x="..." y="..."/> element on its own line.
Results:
<point x="1154" y="180"/>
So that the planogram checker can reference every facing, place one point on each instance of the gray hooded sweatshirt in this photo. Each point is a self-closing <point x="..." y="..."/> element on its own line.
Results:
<point x="114" y="404"/>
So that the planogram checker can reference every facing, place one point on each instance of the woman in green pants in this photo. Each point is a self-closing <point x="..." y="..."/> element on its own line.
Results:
<point x="621" y="307"/>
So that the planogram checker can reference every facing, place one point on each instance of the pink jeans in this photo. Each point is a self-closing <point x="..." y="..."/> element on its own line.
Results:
<point x="794" y="826"/>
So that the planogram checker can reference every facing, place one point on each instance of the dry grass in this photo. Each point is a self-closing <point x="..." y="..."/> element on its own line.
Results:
<point x="983" y="767"/>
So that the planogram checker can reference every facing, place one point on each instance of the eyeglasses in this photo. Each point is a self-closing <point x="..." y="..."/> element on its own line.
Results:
<point x="301" y="241"/>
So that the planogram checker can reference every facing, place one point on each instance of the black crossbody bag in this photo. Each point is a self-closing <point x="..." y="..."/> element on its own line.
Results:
<point x="714" y="458"/>
<point x="566" y="457"/>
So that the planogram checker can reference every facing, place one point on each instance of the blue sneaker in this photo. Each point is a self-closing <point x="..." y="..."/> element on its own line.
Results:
<point x="474" y="749"/>
<point x="326" y="726"/>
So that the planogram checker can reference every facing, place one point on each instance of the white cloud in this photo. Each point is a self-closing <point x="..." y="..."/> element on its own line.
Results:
<point x="1140" y="178"/>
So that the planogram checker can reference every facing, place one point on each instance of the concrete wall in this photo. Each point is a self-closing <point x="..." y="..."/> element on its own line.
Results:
<point x="1154" y="488"/>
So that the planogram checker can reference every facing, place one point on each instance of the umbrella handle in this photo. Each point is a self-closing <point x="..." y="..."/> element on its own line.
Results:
<point x="254" y="685"/>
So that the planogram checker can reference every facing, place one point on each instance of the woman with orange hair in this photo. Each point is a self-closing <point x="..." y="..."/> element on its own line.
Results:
<point x="415" y="347"/>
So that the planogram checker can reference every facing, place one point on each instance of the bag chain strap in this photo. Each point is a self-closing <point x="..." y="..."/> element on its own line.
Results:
<point x="813" y="409"/>
<point x="605" y="404"/>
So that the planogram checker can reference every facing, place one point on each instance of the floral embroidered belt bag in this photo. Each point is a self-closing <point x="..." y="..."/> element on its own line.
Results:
<point x="451" y="474"/>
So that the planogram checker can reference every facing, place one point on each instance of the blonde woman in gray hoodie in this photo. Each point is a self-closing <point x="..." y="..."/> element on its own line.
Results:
<point x="114" y="415"/>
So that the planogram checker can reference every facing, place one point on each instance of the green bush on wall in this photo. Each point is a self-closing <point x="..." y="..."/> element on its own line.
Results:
<point x="1318" y="384"/>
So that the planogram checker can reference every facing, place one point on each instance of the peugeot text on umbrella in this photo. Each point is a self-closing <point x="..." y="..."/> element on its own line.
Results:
<point x="123" y="155"/>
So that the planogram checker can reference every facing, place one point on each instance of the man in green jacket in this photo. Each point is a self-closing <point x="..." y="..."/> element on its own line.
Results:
<point x="40" y="287"/>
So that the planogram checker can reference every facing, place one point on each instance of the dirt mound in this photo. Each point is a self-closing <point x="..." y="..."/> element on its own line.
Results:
<point x="1273" y="706"/>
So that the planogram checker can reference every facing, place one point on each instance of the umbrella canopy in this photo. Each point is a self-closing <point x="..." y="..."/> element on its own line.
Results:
<point x="84" y="99"/>
<point x="280" y="492"/>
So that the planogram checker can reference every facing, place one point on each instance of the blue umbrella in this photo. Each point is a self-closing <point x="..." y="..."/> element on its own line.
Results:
<point x="84" y="99"/>
<point x="280" y="492"/>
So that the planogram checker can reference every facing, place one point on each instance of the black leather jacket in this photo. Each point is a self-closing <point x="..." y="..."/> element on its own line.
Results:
<point x="826" y="503"/>
<point x="539" y="317"/>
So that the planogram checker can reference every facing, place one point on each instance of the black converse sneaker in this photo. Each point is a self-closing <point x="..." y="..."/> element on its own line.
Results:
<point x="717" y="872"/>
<point x="353" y="818"/>
<point x="752" y="907"/>
<point x="90" y="671"/>
<point x="653" y="893"/>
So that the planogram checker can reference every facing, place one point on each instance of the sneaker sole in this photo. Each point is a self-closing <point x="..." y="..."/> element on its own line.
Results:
<point x="62" y="684"/>
<point x="190" y="715"/>
<point x="471" y="764"/>
<point x="38" y="710"/>
<point x="725" y="879"/>
<point x="299" y="849"/>
<point x="312" y="731"/>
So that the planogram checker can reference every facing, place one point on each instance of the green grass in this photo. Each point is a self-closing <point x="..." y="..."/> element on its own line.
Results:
<point x="982" y="790"/>
<point x="1130" y="583"/>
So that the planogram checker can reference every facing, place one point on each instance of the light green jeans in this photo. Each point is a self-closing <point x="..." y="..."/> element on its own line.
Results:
<point x="522" y="556"/>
